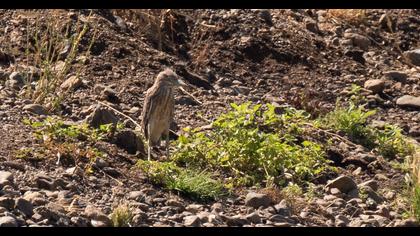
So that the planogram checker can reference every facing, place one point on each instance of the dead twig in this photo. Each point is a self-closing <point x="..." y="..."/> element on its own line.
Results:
<point x="126" y="116"/>
<point x="187" y="93"/>
<point x="332" y="134"/>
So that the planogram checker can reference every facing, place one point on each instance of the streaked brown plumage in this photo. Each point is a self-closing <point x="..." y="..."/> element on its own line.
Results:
<point x="158" y="109"/>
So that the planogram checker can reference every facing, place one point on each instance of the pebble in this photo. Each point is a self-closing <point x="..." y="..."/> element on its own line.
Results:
<point x="256" y="200"/>
<point x="192" y="221"/>
<point x="344" y="183"/>
<point x="35" y="108"/>
<point x="8" y="221"/>
<point x="409" y="101"/>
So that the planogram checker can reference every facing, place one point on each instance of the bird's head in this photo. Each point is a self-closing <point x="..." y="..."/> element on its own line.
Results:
<point x="169" y="78"/>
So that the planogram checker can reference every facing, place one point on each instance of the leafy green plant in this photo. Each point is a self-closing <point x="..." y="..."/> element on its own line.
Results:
<point x="74" y="142"/>
<point x="355" y="95"/>
<point x="193" y="183"/>
<point x="352" y="120"/>
<point x="121" y="216"/>
<point x="391" y="142"/>
<point x="56" y="129"/>
<point x="251" y="145"/>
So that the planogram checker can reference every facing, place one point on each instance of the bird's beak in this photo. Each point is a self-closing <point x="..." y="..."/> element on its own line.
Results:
<point x="181" y="83"/>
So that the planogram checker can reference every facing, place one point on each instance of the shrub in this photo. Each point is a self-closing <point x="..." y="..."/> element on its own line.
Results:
<point x="252" y="145"/>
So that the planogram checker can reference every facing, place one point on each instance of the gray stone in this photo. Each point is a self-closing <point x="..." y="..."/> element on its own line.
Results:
<point x="14" y="165"/>
<point x="112" y="171"/>
<point x="343" y="218"/>
<point x="36" y="198"/>
<point x="358" y="40"/>
<point x="79" y="221"/>
<point x="6" y="175"/>
<point x="7" y="203"/>
<point x="371" y="193"/>
<point x="36" y="109"/>
<point x="375" y="85"/>
<point x="312" y="26"/>
<point x="253" y="218"/>
<point x="407" y="223"/>
<point x="277" y="218"/>
<point x="97" y="217"/>
<point x="390" y="195"/>
<point x="136" y="195"/>
<point x="51" y="211"/>
<point x="237" y="220"/>
<point x="396" y="75"/>
<point x="257" y="200"/>
<point x="192" y="221"/>
<point x="194" y="208"/>
<point x="72" y="83"/>
<point x="101" y="116"/>
<point x="344" y="183"/>
<point x="413" y="56"/>
<point x="24" y="206"/>
<point x="335" y="191"/>
<point x="283" y="208"/>
<point x="44" y="182"/>
<point x="217" y="207"/>
<point x="8" y="221"/>
<point x="204" y="216"/>
<point x="409" y="101"/>
<point x="15" y="81"/>
<point x="175" y="203"/>
<point x="371" y="183"/>
<point x="110" y="95"/>
<point x="129" y="141"/>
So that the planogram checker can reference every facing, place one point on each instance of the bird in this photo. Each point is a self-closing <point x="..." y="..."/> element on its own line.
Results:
<point x="158" y="109"/>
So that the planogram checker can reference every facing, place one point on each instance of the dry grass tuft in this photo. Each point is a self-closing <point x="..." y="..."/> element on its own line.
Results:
<point x="352" y="16"/>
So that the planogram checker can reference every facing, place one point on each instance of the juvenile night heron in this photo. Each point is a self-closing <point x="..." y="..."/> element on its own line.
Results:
<point x="158" y="109"/>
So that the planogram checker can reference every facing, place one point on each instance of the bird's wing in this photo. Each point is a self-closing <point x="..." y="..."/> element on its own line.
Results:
<point x="151" y="95"/>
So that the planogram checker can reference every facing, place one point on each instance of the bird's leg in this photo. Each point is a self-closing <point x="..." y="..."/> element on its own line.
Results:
<point x="167" y="145"/>
<point x="149" y="144"/>
<point x="149" y="149"/>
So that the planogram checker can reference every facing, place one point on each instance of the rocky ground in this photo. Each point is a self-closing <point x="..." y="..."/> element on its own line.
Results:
<point x="305" y="58"/>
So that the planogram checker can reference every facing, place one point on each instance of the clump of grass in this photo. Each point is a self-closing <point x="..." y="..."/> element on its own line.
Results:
<point x="390" y="142"/>
<point x="416" y="202"/>
<point x="193" y="183"/>
<point x="122" y="216"/>
<point x="352" y="120"/>
<point x="252" y="146"/>
<point x="351" y="16"/>
<point x="156" y="24"/>
<point x="46" y="47"/>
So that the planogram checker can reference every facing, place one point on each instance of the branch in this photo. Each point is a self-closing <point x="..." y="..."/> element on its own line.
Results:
<point x="126" y="116"/>
<point x="187" y="93"/>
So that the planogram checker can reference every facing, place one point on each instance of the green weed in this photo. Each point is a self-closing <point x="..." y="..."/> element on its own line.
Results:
<point x="121" y="216"/>
<point x="253" y="145"/>
<point x="193" y="183"/>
